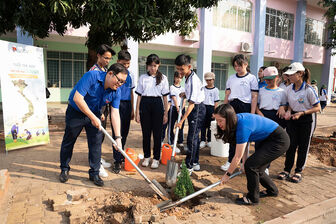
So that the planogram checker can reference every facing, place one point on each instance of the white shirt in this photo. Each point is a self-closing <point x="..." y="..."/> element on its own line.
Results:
<point x="303" y="99"/>
<point x="147" y="86"/>
<point x="132" y="78"/>
<point x="211" y="96"/>
<point x="241" y="87"/>
<point x="323" y="96"/>
<point x="283" y="86"/>
<point x="271" y="99"/>
<point x="175" y="91"/>
<point x="194" y="89"/>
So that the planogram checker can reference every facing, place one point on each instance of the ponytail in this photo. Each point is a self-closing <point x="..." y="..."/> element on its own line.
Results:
<point x="306" y="76"/>
<point x="158" y="77"/>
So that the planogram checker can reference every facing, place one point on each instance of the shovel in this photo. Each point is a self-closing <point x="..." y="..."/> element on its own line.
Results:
<point x="172" y="166"/>
<point x="163" y="206"/>
<point x="153" y="184"/>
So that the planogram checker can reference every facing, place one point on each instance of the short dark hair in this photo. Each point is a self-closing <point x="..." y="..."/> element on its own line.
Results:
<point x="104" y="48"/>
<point x="182" y="59"/>
<point x="176" y="74"/>
<point x="240" y="59"/>
<point x="262" y="67"/>
<point x="117" y="68"/>
<point x="124" y="55"/>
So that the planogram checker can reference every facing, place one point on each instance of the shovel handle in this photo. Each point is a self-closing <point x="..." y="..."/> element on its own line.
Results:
<point x="177" y="129"/>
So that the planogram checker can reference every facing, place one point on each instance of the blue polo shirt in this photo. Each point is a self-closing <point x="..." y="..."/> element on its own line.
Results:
<point x="253" y="128"/>
<point x="91" y="86"/>
<point x="126" y="88"/>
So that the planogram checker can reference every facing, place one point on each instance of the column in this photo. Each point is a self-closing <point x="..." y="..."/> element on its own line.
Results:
<point x="300" y="23"/>
<point x="133" y="49"/>
<point x="23" y="38"/>
<point x="257" y="58"/>
<point x="204" y="54"/>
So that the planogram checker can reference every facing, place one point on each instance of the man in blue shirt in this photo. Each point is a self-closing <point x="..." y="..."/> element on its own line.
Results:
<point x="94" y="90"/>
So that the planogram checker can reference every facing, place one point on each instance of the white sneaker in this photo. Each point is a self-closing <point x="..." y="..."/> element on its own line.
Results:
<point x="145" y="162"/>
<point x="267" y="171"/>
<point x="196" y="167"/>
<point x="202" y="144"/>
<point x="102" y="172"/>
<point x="155" y="164"/>
<point x="208" y="144"/>
<point x="177" y="150"/>
<point x="190" y="171"/>
<point x="180" y="145"/>
<point x="104" y="163"/>
<point x="226" y="166"/>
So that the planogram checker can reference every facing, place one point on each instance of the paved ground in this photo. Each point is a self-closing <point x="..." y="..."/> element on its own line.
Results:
<point x="34" y="179"/>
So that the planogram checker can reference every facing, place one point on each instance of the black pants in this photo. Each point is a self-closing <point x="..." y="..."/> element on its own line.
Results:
<point x="151" y="119"/>
<point x="205" y="131"/>
<point x="300" y="132"/>
<point x="323" y="104"/>
<point x="125" y="112"/>
<point x="239" y="107"/>
<point x="272" y="114"/>
<point x="268" y="150"/>
<point x="173" y="119"/>
<point x="75" y="122"/>
<point x="195" y="122"/>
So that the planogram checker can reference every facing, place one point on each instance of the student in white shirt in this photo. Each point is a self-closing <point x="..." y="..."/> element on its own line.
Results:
<point x="211" y="100"/>
<point x="152" y="108"/>
<point x="302" y="103"/>
<point x="195" y="113"/>
<point x="323" y="97"/>
<point x="241" y="93"/>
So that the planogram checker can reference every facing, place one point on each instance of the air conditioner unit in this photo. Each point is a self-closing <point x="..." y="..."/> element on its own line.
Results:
<point x="193" y="36"/>
<point x="246" y="47"/>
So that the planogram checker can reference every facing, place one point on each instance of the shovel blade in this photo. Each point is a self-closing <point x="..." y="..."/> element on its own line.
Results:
<point x="171" y="174"/>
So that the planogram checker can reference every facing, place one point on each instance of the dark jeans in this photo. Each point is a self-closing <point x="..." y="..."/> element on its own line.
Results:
<point x="75" y="122"/>
<point x="299" y="132"/>
<point x="205" y="131"/>
<point x="267" y="150"/>
<point x="151" y="119"/>
<point x="171" y="135"/>
<point x="125" y="112"/>
<point x="195" y="122"/>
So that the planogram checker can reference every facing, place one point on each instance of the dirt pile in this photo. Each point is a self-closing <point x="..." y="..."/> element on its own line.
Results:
<point x="325" y="150"/>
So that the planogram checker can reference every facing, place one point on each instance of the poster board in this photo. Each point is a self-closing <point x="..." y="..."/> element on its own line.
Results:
<point x="23" y="95"/>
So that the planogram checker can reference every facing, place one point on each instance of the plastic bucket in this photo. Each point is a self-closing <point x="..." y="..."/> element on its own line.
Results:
<point x="218" y="147"/>
<point x="134" y="157"/>
<point x="166" y="152"/>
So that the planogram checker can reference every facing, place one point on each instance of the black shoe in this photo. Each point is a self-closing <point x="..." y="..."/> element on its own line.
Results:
<point x="97" y="180"/>
<point x="264" y="194"/>
<point x="117" y="168"/>
<point x="64" y="176"/>
<point x="245" y="201"/>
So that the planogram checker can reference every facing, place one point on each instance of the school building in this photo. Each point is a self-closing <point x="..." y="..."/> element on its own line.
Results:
<point x="269" y="32"/>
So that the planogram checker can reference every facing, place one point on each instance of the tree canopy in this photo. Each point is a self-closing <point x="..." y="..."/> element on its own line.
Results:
<point x="331" y="15"/>
<point x="110" y="21"/>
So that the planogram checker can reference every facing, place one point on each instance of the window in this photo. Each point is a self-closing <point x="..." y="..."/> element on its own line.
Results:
<point x="314" y="32"/>
<point x="221" y="72"/>
<point x="64" y="69"/>
<point x="233" y="14"/>
<point x="167" y="67"/>
<point x="279" y="24"/>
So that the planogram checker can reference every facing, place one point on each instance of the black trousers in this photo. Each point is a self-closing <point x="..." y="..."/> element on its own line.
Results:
<point x="125" y="112"/>
<point x="272" y="114"/>
<point x="300" y="132"/>
<point x="205" y="131"/>
<point x="75" y="122"/>
<point x="239" y="107"/>
<point x="151" y="119"/>
<point x="323" y="104"/>
<point x="173" y="119"/>
<point x="195" y="122"/>
<point x="268" y="150"/>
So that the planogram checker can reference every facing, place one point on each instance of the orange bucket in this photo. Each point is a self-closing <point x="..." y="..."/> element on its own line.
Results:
<point x="134" y="157"/>
<point x="166" y="153"/>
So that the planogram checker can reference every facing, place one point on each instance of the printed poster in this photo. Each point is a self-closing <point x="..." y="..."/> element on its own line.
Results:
<point x="23" y="95"/>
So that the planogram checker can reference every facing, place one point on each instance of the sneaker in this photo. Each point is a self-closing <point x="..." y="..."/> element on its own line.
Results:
<point x="145" y="162"/>
<point x="104" y="163"/>
<point x="202" y="144"/>
<point x="226" y="166"/>
<point x="267" y="171"/>
<point x="190" y="170"/>
<point x="117" y="168"/>
<point x="208" y="144"/>
<point x="196" y="167"/>
<point x="177" y="150"/>
<point x="155" y="164"/>
<point x="102" y="172"/>
<point x="64" y="176"/>
<point x="180" y="145"/>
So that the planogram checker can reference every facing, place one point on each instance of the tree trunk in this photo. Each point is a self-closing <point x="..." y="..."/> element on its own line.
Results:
<point x="92" y="58"/>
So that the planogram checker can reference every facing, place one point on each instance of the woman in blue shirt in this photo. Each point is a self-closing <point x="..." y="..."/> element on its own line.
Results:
<point x="242" y="128"/>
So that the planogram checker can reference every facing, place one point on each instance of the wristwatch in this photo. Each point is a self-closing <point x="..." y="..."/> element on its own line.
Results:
<point x="116" y="137"/>
<point x="228" y="174"/>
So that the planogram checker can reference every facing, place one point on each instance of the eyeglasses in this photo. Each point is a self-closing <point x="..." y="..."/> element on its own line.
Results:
<point x="119" y="80"/>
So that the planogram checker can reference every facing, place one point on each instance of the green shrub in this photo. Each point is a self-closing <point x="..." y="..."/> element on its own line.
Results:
<point x="184" y="185"/>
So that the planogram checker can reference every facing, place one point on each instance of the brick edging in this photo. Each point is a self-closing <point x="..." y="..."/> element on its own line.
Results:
<point x="4" y="183"/>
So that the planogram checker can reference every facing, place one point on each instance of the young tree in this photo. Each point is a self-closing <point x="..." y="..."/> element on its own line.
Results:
<point x="110" y="21"/>
<point x="331" y="15"/>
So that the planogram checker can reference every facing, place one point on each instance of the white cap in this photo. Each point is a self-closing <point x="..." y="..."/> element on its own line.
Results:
<point x="294" y="68"/>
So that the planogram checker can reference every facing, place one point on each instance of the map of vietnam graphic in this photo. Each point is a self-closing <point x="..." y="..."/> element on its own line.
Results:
<point x="21" y="84"/>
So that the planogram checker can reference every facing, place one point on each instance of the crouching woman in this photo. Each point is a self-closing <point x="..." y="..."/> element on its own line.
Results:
<point x="242" y="128"/>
